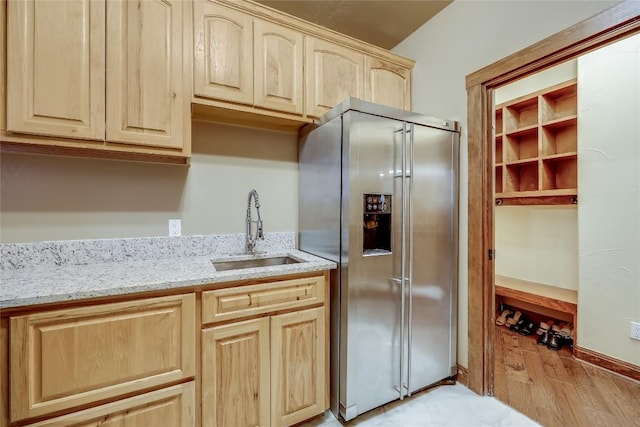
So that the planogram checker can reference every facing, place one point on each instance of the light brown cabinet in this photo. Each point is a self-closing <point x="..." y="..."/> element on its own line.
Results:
<point x="278" y="67"/>
<point x="145" y="97"/>
<point x="235" y="374"/>
<point x="536" y="147"/>
<point x="172" y="406"/>
<point x="3" y="69"/>
<point x="223" y="53"/>
<point x="98" y="78"/>
<point x="263" y="358"/>
<point x="55" y="68"/>
<point x="255" y="66"/>
<point x="269" y="371"/>
<point x="64" y="359"/>
<point x="387" y="84"/>
<point x="334" y="73"/>
<point x="243" y="59"/>
<point x="298" y="364"/>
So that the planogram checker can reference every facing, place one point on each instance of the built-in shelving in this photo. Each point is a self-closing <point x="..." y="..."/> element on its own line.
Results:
<point x="536" y="160"/>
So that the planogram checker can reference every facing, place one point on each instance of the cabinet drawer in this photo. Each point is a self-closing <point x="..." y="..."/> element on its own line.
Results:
<point x="243" y="301"/>
<point x="65" y="358"/>
<point x="172" y="406"/>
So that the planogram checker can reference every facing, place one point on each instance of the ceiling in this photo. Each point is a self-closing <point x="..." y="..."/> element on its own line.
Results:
<point x="383" y="23"/>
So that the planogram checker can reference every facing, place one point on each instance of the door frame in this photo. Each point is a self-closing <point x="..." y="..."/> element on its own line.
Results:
<point x="604" y="28"/>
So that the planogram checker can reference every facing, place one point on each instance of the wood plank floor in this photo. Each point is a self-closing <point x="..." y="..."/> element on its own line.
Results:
<point x="554" y="389"/>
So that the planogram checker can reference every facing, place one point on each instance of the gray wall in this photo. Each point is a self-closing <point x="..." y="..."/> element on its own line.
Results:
<point x="57" y="198"/>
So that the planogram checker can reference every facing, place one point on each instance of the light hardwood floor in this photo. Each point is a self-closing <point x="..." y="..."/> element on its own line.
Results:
<point x="555" y="389"/>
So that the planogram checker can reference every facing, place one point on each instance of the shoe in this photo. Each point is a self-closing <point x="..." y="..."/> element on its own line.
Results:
<point x="528" y="328"/>
<point x="544" y="327"/>
<point x="501" y="320"/>
<point x="519" y="324"/>
<point x="566" y="330"/>
<point x="556" y="342"/>
<point x="513" y="320"/>
<point x="544" y="339"/>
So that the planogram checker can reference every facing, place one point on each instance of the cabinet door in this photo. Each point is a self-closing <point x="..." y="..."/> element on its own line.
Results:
<point x="298" y="366"/>
<point x="3" y="57"/>
<point x="387" y="84"/>
<point x="144" y="75"/>
<point x="235" y="375"/>
<point x="334" y="73"/>
<point x="277" y="67"/>
<point x="223" y="53"/>
<point x="55" y="68"/>
<point x="173" y="406"/>
<point x="66" y="358"/>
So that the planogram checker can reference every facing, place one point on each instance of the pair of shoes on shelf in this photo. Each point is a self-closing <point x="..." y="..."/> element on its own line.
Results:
<point x="513" y="319"/>
<point x="502" y="319"/>
<point x="524" y="326"/>
<point x="565" y="330"/>
<point x="508" y="318"/>
<point x="544" y="327"/>
<point x="554" y="341"/>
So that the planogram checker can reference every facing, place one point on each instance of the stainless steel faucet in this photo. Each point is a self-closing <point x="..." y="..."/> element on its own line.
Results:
<point x="251" y="239"/>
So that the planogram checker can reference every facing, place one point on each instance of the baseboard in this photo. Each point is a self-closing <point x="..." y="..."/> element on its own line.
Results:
<point x="463" y="376"/>
<point x="607" y="362"/>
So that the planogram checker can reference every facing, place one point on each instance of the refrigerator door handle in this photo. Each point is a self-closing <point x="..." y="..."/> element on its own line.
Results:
<point x="410" y="280"/>
<point x="403" y="275"/>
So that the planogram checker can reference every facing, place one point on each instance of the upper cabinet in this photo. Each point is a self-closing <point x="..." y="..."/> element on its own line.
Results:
<point x="246" y="60"/>
<point x="223" y="47"/>
<point x="277" y="59"/>
<point x="144" y="73"/>
<point x="96" y="78"/>
<point x="123" y="79"/>
<point x="387" y="83"/>
<point x="55" y="72"/>
<point x="256" y="66"/>
<point x="536" y="148"/>
<point x="334" y="73"/>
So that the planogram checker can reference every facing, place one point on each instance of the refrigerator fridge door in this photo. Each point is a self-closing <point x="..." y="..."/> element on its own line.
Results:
<point x="432" y="255"/>
<point x="370" y="290"/>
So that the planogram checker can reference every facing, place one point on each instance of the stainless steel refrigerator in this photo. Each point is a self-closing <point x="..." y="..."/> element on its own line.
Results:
<point x="378" y="194"/>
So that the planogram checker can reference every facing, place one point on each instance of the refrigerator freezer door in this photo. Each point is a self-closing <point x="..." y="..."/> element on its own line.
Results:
<point x="433" y="255"/>
<point x="370" y="292"/>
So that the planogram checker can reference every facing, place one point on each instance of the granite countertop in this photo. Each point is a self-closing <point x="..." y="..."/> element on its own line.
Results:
<point x="67" y="281"/>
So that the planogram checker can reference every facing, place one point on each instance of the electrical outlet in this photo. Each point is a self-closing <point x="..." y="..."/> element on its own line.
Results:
<point x="175" y="227"/>
<point x="635" y="330"/>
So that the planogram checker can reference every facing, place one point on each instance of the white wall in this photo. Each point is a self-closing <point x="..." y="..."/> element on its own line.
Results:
<point x="538" y="81"/>
<point x="537" y="243"/>
<point x="462" y="38"/>
<point x="609" y="208"/>
<point x="56" y="198"/>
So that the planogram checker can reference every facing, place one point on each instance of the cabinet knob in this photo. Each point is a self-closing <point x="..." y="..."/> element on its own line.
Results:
<point x="173" y="95"/>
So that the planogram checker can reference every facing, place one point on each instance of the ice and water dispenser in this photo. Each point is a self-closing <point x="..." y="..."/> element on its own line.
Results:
<point x="376" y="224"/>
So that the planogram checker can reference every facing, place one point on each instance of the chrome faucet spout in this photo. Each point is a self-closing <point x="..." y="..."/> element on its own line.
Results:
<point x="251" y="238"/>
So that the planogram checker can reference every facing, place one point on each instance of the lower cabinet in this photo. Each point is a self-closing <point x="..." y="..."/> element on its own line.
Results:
<point x="63" y="360"/>
<point x="297" y="366"/>
<point x="264" y="372"/>
<point x="235" y="374"/>
<point x="263" y="348"/>
<point x="173" y="406"/>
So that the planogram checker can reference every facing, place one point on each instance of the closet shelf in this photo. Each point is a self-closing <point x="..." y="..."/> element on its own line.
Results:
<point x="536" y="159"/>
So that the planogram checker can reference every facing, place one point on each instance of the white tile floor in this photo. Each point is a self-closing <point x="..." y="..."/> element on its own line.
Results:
<point x="443" y="406"/>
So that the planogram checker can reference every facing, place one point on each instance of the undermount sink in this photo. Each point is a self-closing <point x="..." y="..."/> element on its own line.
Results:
<point x="239" y="264"/>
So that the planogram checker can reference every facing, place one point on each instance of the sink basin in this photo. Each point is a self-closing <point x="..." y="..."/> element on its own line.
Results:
<point x="239" y="264"/>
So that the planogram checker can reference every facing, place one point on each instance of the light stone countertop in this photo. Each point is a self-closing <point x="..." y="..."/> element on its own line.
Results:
<point x="46" y="283"/>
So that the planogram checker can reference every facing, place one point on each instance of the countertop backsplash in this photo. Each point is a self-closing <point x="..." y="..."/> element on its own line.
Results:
<point x="14" y="256"/>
